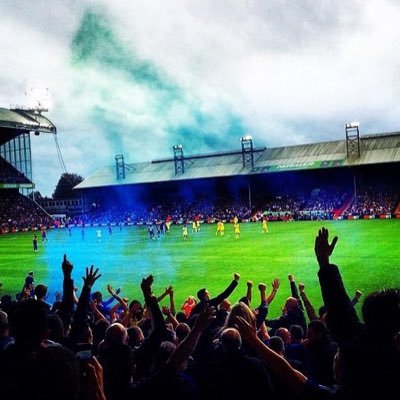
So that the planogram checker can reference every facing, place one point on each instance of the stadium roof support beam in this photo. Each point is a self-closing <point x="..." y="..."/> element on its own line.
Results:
<point x="353" y="140"/>
<point x="120" y="166"/>
<point x="247" y="151"/>
<point x="179" y="160"/>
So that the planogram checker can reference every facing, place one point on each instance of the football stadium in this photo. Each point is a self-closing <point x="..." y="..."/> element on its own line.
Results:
<point x="243" y="223"/>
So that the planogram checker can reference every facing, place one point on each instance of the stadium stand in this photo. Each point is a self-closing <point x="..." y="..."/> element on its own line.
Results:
<point x="10" y="175"/>
<point x="18" y="212"/>
<point x="303" y="182"/>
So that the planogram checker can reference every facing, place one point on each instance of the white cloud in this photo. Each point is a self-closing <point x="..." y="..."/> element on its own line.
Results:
<point x="287" y="72"/>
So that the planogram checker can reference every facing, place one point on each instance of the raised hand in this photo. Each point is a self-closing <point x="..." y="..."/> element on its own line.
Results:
<point x="262" y="287"/>
<point x="291" y="278"/>
<point x="302" y="286"/>
<point x="358" y="294"/>
<point x="323" y="250"/>
<point x="169" y="290"/>
<point x="247" y="331"/>
<point x="249" y="284"/>
<point x="91" y="276"/>
<point x="146" y="286"/>
<point x="110" y="290"/>
<point x="166" y="311"/>
<point x="66" y="266"/>
<point x="236" y="276"/>
<point x="275" y="284"/>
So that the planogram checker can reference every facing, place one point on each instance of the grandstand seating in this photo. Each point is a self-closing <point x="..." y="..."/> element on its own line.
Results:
<point x="9" y="174"/>
<point x="19" y="212"/>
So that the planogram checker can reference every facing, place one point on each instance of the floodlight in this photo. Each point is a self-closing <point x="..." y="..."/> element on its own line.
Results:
<point x="246" y="138"/>
<point x="352" y="125"/>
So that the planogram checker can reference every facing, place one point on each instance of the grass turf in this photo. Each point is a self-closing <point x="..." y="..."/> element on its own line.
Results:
<point x="368" y="254"/>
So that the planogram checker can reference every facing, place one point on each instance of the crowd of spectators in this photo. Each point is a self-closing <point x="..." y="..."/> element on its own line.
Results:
<point x="9" y="174"/>
<point x="316" y="205"/>
<point x="374" y="201"/>
<point x="19" y="212"/>
<point x="211" y="348"/>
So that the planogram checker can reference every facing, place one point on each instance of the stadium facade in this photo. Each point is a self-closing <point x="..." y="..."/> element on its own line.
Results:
<point x="16" y="126"/>
<point x="247" y="171"/>
<point x="374" y="150"/>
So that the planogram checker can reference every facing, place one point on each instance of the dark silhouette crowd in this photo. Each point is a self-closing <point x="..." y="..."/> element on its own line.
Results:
<point x="216" y="346"/>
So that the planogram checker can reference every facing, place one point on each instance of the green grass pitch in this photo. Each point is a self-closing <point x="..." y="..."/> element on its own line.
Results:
<point x="368" y="254"/>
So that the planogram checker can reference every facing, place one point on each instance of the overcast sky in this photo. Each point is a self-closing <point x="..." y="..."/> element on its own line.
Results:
<point x="137" y="77"/>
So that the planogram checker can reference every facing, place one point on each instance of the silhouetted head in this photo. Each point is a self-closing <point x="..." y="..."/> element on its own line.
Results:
<point x="241" y="310"/>
<point x="284" y="334"/>
<point x="291" y="304"/>
<point x="231" y="340"/>
<point x="297" y="333"/>
<point x="97" y="297"/>
<point x="135" y="307"/>
<point x="29" y="323"/>
<point x="244" y="300"/>
<point x="40" y="291"/>
<point x="277" y="345"/>
<point x="316" y="330"/>
<point x="135" y="336"/>
<point x="203" y="294"/>
<point x="182" y="330"/>
<point x="116" y="334"/>
<point x="181" y="317"/>
<point x="381" y="312"/>
<point x="322" y="312"/>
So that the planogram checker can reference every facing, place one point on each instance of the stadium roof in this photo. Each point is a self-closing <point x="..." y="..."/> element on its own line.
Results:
<point x="13" y="121"/>
<point x="374" y="149"/>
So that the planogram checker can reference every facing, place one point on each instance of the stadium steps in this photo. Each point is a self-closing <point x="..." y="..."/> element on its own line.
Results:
<point x="397" y="209"/>
<point x="337" y="213"/>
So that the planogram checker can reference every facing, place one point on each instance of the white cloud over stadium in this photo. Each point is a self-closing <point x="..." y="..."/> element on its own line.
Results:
<point x="137" y="77"/>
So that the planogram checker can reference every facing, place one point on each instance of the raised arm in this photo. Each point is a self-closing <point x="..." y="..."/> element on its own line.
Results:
<point x="158" y="323"/>
<point x="116" y="296"/>
<point x="164" y="294"/>
<point x="293" y="289"/>
<point x="249" y="288"/>
<point x="295" y="379"/>
<point x="67" y="302"/>
<point x="97" y="314"/>
<point x="81" y="315"/>
<point x="170" y="317"/>
<point x="214" y="302"/>
<point x="275" y="287"/>
<point x="307" y="303"/>
<point x="342" y="319"/>
<point x="263" y="307"/>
